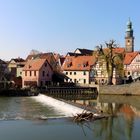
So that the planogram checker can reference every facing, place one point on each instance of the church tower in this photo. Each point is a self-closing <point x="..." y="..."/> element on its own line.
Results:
<point x="129" y="38"/>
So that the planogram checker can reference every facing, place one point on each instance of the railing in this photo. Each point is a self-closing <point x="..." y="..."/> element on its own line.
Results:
<point x="72" y="92"/>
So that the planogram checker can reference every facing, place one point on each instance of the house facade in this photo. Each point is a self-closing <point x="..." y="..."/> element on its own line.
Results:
<point x="101" y="71"/>
<point x="132" y="64"/>
<point x="37" y="72"/>
<point x="78" y="69"/>
<point x="101" y="75"/>
<point x="15" y="67"/>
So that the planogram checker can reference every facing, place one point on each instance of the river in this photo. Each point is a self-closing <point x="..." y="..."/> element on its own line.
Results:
<point x="27" y="118"/>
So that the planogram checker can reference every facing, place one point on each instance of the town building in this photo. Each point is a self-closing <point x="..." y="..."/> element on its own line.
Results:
<point x="78" y="69"/>
<point x="100" y="69"/>
<point x="132" y="58"/>
<point x="37" y="72"/>
<point x="131" y="61"/>
<point x="132" y="64"/>
<point x="15" y="66"/>
<point x="49" y="56"/>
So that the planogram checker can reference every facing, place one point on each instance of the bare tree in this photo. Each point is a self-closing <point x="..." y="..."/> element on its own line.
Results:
<point x="112" y="59"/>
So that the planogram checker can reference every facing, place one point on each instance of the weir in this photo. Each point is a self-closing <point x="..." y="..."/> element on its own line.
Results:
<point x="71" y="93"/>
<point x="59" y="106"/>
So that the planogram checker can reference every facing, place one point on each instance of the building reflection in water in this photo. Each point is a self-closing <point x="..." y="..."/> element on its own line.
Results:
<point x="123" y="111"/>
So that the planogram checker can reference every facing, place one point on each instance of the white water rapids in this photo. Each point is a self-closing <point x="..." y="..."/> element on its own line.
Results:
<point x="67" y="109"/>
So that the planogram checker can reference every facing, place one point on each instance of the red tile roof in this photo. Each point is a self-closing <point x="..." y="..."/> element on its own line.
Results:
<point x="115" y="50"/>
<point x="78" y="63"/>
<point x="34" y="64"/>
<point x="49" y="56"/>
<point x="129" y="57"/>
<point x="119" y="50"/>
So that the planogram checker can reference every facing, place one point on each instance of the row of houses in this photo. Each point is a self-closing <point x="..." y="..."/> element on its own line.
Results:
<point x="85" y="69"/>
<point x="79" y="67"/>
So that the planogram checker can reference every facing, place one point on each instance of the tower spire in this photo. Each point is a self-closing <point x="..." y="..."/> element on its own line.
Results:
<point x="129" y="38"/>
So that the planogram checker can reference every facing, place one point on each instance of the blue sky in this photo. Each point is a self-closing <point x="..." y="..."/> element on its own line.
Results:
<point x="64" y="25"/>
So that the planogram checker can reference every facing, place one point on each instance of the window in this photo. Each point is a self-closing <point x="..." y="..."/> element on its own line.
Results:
<point x="66" y="73"/>
<point x="48" y="74"/>
<point x="34" y="73"/>
<point x="69" y="64"/>
<point x="85" y="64"/>
<point x="74" y="73"/>
<point x="25" y="73"/>
<point x="74" y="80"/>
<point x="84" y="73"/>
<point x="137" y="60"/>
<point x="70" y="73"/>
<point x="43" y="73"/>
<point x="45" y="64"/>
<point x="30" y="73"/>
<point x="84" y="81"/>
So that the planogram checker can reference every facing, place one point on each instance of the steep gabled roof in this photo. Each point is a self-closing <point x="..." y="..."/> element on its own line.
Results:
<point x="115" y="50"/>
<point x="119" y="50"/>
<point x="129" y="57"/>
<point x="34" y="64"/>
<point x="49" y="56"/>
<point x="84" y="51"/>
<point x="78" y="63"/>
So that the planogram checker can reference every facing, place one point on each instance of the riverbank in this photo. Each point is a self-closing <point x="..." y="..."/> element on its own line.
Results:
<point x="126" y="89"/>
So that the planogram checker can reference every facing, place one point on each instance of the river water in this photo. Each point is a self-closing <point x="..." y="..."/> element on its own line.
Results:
<point x="26" y="118"/>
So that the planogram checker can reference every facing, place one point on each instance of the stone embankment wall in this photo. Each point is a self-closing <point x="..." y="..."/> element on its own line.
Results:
<point x="126" y="89"/>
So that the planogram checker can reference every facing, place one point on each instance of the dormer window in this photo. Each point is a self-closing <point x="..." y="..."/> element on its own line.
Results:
<point x="69" y="64"/>
<point x="45" y="64"/>
<point x="30" y="66"/>
<point x="85" y="64"/>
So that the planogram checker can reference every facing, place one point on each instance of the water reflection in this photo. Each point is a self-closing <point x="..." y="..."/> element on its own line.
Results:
<point x="124" y="111"/>
<point x="123" y="123"/>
